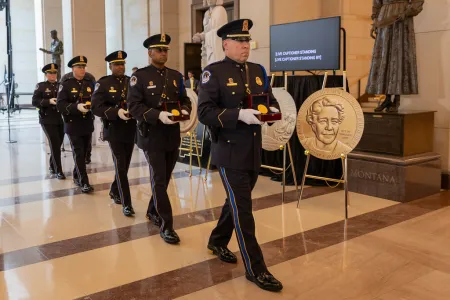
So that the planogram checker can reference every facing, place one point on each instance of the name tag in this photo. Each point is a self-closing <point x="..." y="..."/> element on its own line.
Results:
<point x="151" y="87"/>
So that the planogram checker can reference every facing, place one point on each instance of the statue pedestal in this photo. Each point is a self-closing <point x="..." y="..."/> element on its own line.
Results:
<point x="394" y="159"/>
<point x="394" y="178"/>
<point x="403" y="134"/>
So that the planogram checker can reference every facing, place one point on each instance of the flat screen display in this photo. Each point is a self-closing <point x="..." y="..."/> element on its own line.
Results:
<point x="307" y="45"/>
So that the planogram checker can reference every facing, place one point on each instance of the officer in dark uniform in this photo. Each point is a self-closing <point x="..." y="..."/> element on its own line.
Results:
<point x="236" y="147"/>
<point x="44" y="98"/>
<point x="74" y="100"/>
<point x="158" y="136"/>
<point x="119" y="129"/>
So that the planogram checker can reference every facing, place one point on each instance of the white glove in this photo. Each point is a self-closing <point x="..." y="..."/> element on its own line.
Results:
<point x="248" y="116"/>
<point x="274" y="109"/>
<point x="81" y="108"/>
<point x="53" y="101"/>
<point x="164" y="117"/>
<point x="184" y="112"/>
<point x="122" y="114"/>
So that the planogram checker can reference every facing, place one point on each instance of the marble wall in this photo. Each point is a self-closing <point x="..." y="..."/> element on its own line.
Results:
<point x="433" y="46"/>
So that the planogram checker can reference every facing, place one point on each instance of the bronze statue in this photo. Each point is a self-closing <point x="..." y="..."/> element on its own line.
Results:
<point x="394" y="67"/>
<point x="56" y="50"/>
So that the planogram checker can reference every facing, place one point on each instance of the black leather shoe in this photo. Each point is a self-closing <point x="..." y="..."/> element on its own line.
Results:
<point x="51" y="171"/>
<point x="384" y="105"/>
<point x="156" y="220"/>
<point x="86" y="188"/>
<point x="128" y="211"/>
<point x="132" y="210"/>
<point x="170" y="236"/>
<point x="223" y="253"/>
<point x="115" y="198"/>
<point x="265" y="281"/>
<point x="60" y="176"/>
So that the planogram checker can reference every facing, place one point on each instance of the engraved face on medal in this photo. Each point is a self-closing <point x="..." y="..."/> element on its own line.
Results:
<point x="330" y="123"/>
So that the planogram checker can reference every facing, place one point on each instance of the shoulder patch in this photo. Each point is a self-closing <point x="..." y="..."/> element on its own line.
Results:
<point x="133" y="81"/>
<point x="60" y="88"/>
<point x="37" y="87"/>
<point x="206" y="75"/>
<point x="97" y="85"/>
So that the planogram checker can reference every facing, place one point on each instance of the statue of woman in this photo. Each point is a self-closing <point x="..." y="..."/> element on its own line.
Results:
<point x="394" y="67"/>
<point x="215" y="17"/>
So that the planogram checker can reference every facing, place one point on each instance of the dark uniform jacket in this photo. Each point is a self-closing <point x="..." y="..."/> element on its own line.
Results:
<point x="222" y="93"/>
<point x="71" y="93"/>
<point x="48" y="114"/>
<point x="110" y="96"/>
<point x="145" y="98"/>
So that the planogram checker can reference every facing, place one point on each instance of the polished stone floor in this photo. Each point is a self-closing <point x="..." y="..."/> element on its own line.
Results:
<point x="56" y="243"/>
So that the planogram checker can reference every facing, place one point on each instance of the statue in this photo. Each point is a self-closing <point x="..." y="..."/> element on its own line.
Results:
<point x="56" y="49"/>
<point x="394" y="67"/>
<point x="215" y="17"/>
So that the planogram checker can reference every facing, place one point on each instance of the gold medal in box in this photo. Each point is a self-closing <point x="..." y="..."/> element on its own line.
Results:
<point x="175" y="109"/>
<point x="261" y="102"/>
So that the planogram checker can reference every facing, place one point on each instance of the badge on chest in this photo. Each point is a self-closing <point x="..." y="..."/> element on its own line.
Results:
<point x="112" y="90"/>
<point x="151" y="85"/>
<point x="231" y="82"/>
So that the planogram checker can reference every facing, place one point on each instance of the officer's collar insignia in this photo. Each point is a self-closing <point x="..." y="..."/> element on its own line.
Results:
<point x="133" y="81"/>
<point x="163" y="38"/>
<point x="175" y="83"/>
<point x="88" y="90"/>
<point x="231" y="82"/>
<point x="245" y="25"/>
<point x="206" y="76"/>
<point x="258" y="81"/>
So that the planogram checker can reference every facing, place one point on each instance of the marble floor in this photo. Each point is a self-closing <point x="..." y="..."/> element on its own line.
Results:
<point x="56" y="243"/>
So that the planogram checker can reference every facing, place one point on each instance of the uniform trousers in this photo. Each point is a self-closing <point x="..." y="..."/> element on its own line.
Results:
<point x="161" y="165"/>
<point x="121" y="153"/>
<point x="55" y="137"/>
<point x="89" y="148"/>
<point x="80" y="146"/>
<point x="237" y="214"/>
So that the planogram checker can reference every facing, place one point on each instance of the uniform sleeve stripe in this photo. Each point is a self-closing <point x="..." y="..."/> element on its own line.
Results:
<point x="218" y="117"/>
<point x="106" y="112"/>
<point x="145" y="113"/>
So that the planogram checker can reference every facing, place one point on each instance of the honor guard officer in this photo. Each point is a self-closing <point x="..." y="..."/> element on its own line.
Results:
<point x="158" y="136"/>
<point x="119" y="129"/>
<point x="74" y="100"/>
<point x="236" y="147"/>
<point x="44" y="98"/>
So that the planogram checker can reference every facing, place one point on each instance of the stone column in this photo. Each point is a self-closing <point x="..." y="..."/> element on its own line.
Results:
<point x="114" y="27"/>
<point x="85" y="33"/>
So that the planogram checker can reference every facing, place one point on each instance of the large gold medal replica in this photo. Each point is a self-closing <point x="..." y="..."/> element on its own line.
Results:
<point x="330" y="123"/>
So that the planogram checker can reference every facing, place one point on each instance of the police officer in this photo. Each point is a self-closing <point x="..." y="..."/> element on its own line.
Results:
<point x="91" y="77"/>
<point x="44" y="98"/>
<point x="158" y="135"/>
<point x="236" y="147"/>
<point x="119" y="129"/>
<point x="73" y="102"/>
